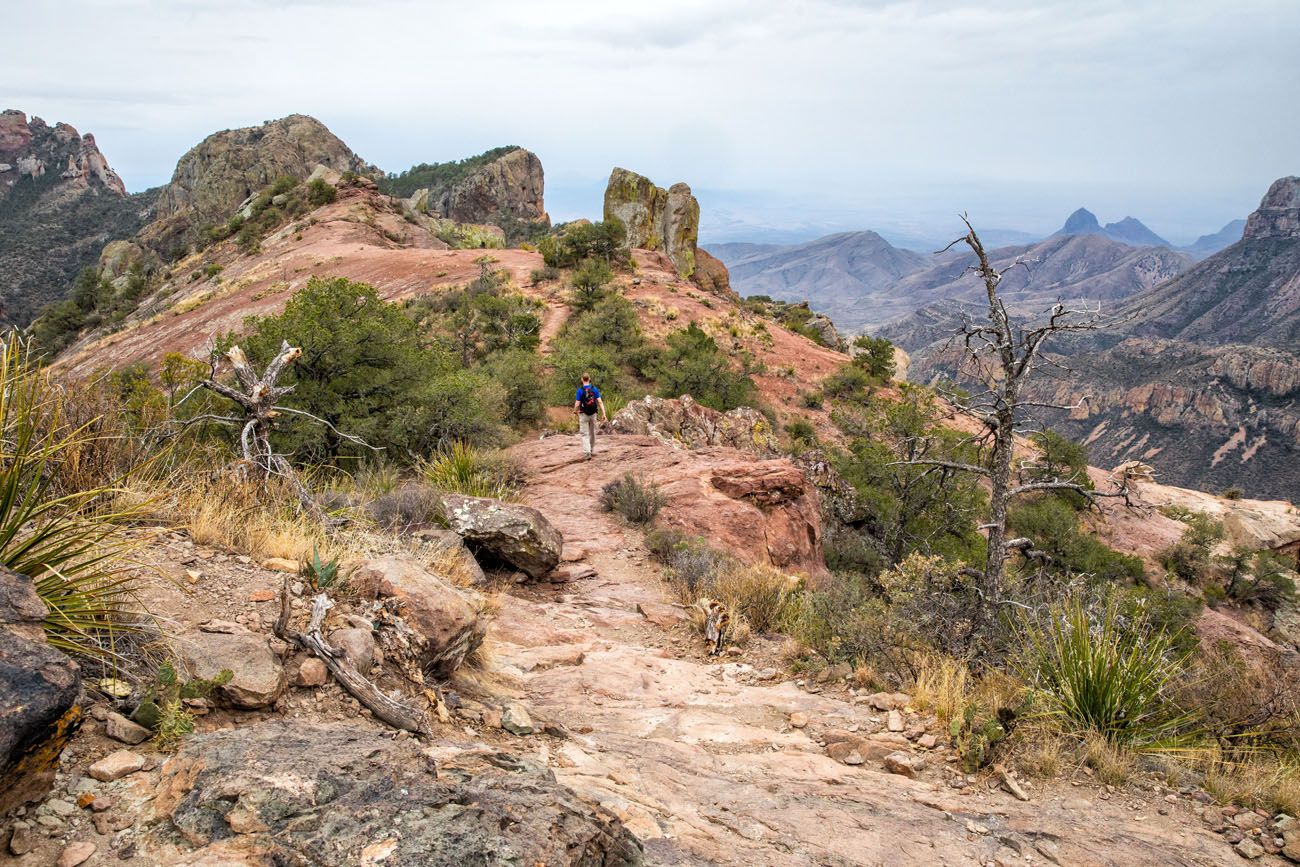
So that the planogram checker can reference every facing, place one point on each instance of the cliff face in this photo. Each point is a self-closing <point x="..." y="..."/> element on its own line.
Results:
<point x="59" y="203"/>
<point x="655" y="218"/>
<point x="215" y="176"/>
<point x="511" y="187"/>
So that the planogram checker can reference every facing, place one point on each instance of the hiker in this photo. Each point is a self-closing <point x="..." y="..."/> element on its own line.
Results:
<point x="586" y="403"/>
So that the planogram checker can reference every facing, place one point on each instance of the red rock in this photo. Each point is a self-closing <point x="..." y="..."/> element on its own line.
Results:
<point x="666" y="616"/>
<point x="262" y="595"/>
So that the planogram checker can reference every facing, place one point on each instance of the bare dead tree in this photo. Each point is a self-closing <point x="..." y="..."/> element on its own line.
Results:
<point x="1002" y="355"/>
<point x="257" y="400"/>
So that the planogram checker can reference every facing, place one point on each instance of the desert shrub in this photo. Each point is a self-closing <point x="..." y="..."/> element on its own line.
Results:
<point x="367" y="370"/>
<point x="1169" y="611"/>
<point x="760" y="594"/>
<point x="574" y="243"/>
<point x="638" y="500"/>
<point x="545" y="274"/>
<point x="801" y="431"/>
<point x="463" y="469"/>
<point x="875" y="355"/>
<point x="1259" y="578"/>
<point x="480" y="318"/>
<point x="693" y="364"/>
<point x="320" y="193"/>
<point x="589" y="282"/>
<point x="848" y="550"/>
<point x="850" y="382"/>
<point x="1232" y="493"/>
<point x="1053" y="526"/>
<point x="68" y="539"/>
<point x="1243" y="706"/>
<point x="910" y="508"/>
<point x="1191" y="558"/>
<point x="522" y="376"/>
<point x="405" y="508"/>
<point x="1102" y="673"/>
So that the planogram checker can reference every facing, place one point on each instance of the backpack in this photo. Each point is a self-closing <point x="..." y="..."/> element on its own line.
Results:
<point x="588" y="402"/>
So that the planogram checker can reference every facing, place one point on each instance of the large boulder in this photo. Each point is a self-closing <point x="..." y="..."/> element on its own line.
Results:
<point x="257" y="676"/>
<point x="324" y="795"/>
<point x="519" y="536"/>
<point x="447" y="619"/>
<point x="683" y="421"/>
<point x="39" y="688"/>
<point x="655" y="218"/>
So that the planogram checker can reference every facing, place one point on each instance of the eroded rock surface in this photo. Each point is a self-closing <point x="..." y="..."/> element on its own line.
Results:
<point x="655" y="218"/>
<point x="336" y="795"/>
<point x="682" y="420"/>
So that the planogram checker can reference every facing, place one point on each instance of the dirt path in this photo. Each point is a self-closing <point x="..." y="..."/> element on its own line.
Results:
<point x="699" y="758"/>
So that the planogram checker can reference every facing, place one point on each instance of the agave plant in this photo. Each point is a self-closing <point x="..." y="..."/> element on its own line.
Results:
<point x="68" y="542"/>
<point x="1104" y="674"/>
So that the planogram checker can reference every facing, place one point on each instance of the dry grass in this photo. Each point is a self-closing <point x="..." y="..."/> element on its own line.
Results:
<point x="1040" y="750"/>
<point x="1112" y="764"/>
<point x="943" y="685"/>
<point x="1261" y="781"/>
<point x="757" y="594"/>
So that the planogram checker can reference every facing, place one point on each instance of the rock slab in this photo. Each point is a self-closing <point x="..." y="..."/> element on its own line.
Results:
<point x="517" y="535"/>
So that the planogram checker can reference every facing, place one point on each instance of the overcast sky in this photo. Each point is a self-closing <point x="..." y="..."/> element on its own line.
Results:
<point x="812" y="115"/>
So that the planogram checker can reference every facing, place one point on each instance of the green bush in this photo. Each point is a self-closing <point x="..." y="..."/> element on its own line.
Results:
<point x="1191" y="558"/>
<point x="574" y="243"/>
<point x="850" y="382"/>
<point x="801" y="431"/>
<point x="320" y="193"/>
<point x="367" y="370"/>
<point x="522" y="375"/>
<point x="589" y="281"/>
<point x="637" y="500"/>
<point x="1053" y="526"/>
<point x="693" y="364"/>
<point x="875" y="355"/>
<point x="1102" y="673"/>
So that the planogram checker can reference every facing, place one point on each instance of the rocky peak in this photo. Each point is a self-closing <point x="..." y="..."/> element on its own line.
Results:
<point x="1279" y="212"/>
<point x="509" y="187"/>
<point x="215" y="176"/>
<point x="30" y="149"/>
<point x="1081" y="222"/>
<point x="655" y="218"/>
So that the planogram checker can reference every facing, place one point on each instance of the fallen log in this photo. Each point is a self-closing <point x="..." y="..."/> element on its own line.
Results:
<point x="396" y="713"/>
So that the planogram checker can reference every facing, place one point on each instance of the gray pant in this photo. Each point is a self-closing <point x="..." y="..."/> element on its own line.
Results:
<point x="587" y="432"/>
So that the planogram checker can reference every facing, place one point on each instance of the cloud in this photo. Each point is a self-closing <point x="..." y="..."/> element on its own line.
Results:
<point x="1025" y="108"/>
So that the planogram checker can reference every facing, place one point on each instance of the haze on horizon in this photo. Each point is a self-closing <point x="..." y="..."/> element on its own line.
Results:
<point x="799" y="117"/>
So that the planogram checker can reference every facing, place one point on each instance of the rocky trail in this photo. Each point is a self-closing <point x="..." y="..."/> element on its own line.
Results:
<point x="595" y="680"/>
<point x="702" y="759"/>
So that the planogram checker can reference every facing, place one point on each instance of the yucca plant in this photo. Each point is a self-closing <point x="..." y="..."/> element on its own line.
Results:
<point x="1102" y="674"/>
<point x="67" y="541"/>
<point x="463" y="469"/>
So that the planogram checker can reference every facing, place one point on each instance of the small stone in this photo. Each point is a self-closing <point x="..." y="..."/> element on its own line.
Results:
<point x="59" y="807"/>
<point x="798" y="719"/>
<point x="1234" y="835"/>
<point x="900" y="763"/>
<point x="76" y="853"/>
<point x="312" y="672"/>
<point x="119" y="728"/>
<point x="356" y="645"/>
<point x="102" y="825"/>
<point x="193" y="575"/>
<point x="116" y="765"/>
<point x="85" y="799"/>
<point x="492" y="717"/>
<point x="244" y="821"/>
<point x="894" y="722"/>
<point x="261" y="595"/>
<point x="101" y="804"/>
<point x="1249" y="849"/>
<point x="1079" y="804"/>
<point x="99" y="712"/>
<point x="854" y="758"/>
<point x="973" y="827"/>
<point x="516" y="720"/>
<point x="281" y="564"/>
<point x="22" y="841"/>
<point x="929" y="742"/>
<point x="1249" y="820"/>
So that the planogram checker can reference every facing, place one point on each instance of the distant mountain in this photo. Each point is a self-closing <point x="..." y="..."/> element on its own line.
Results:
<point x="1208" y="245"/>
<point x="1129" y="230"/>
<point x="1199" y="375"/>
<point x="59" y="204"/>
<point x="842" y="275"/>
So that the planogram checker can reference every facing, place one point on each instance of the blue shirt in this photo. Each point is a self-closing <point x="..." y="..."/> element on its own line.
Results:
<point x="577" y="397"/>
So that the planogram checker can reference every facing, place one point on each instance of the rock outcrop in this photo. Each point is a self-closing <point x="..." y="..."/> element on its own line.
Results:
<point x="328" y="794"/>
<point x="684" y="422"/>
<point x="219" y="173"/>
<point x="1278" y="215"/>
<point x="448" y="620"/>
<point x="59" y="202"/>
<point x="511" y="534"/>
<point x="510" y="187"/>
<point x="655" y="218"/>
<point x="39" y="689"/>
